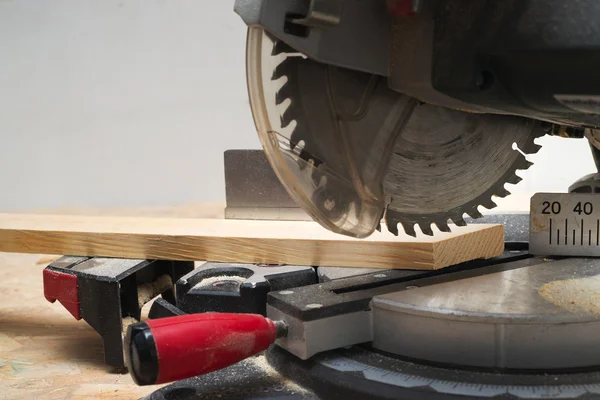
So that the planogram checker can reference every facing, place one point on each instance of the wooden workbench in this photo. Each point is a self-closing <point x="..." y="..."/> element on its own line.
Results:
<point x="44" y="352"/>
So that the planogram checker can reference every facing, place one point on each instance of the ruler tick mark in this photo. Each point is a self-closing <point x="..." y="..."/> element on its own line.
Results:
<point x="566" y="231"/>
<point x="582" y="232"/>
<point x="573" y="237"/>
<point x="550" y="230"/>
<point x="590" y="238"/>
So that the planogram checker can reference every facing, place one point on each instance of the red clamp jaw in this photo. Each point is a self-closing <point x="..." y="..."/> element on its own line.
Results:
<point x="62" y="287"/>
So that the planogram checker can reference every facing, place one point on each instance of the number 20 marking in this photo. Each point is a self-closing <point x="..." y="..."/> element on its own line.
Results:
<point x="549" y="208"/>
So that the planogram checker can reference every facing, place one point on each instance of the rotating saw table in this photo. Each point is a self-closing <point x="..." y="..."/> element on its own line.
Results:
<point x="516" y="326"/>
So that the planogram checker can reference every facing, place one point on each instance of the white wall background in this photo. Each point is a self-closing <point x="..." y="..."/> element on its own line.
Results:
<point x="119" y="102"/>
<point x="132" y="102"/>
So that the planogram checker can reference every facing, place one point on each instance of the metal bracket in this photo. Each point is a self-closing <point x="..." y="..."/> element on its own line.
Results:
<point x="322" y="14"/>
<point x="338" y="313"/>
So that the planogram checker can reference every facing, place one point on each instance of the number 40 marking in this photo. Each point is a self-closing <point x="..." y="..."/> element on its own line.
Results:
<point x="586" y="208"/>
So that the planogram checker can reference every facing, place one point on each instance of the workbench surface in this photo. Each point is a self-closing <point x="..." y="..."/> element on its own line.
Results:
<point x="44" y="352"/>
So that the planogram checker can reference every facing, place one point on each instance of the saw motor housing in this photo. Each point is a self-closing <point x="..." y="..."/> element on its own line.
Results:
<point x="535" y="58"/>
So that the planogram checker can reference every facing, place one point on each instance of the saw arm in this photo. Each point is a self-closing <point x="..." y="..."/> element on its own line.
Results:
<point x="347" y="105"/>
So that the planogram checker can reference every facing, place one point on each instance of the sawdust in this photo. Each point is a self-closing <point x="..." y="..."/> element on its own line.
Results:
<point x="148" y="291"/>
<point x="578" y="296"/>
<point x="215" y="279"/>
<point x="239" y="342"/>
<point x="261" y="363"/>
<point x="126" y="322"/>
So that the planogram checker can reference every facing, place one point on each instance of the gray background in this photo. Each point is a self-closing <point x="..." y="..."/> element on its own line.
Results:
<point x="132" y="103"/>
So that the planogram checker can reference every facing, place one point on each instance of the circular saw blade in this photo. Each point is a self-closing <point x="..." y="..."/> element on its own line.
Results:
<point x="445" y="163"/>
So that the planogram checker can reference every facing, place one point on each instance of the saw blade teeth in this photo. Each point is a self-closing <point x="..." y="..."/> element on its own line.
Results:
<point x="530" y="147"/>
<point x="501" y="192"/>
<point x="533" y="149"/>
<point x="285" y="123"/>
<point x="459" y="221"/>
<point x="443" y="226"/>
<point x="528" y="164"/>
<point x="514" y="179"/>
<point x="279" y="71"/>
<point x="474" y="213"/>
<point x="285" y="93"/>
<point x="489" y="204"/>
<point x="523" y="163"/>
<point x="288" y="116"/>
<point x="297" y="136"/>
<point x="391" y="225"/>
<point x="426" y="228"/>
<point x="409" y="228"/>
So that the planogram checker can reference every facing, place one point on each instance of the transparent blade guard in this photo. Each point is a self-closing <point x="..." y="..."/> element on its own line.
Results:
<point x="343" y="193"/>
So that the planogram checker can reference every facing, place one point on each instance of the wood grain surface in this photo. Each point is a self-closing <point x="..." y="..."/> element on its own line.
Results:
<point x="269" y="242"/>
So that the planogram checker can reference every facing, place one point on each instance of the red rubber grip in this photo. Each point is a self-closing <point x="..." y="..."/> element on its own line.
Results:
<point x="196" y="344"/>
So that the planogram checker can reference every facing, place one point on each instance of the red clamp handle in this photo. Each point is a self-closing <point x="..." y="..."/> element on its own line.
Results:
<point x="169" y="349"/>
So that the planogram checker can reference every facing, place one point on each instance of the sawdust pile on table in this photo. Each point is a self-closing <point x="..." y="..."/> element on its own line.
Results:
<point x="578" y="296"/>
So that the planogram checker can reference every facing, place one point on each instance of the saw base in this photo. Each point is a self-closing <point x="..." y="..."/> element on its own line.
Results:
<point x="525" y="328"/>
<point x="362" y="372"/>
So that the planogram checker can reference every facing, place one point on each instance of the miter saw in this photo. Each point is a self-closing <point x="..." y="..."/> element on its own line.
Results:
<point x="417" y="111"/>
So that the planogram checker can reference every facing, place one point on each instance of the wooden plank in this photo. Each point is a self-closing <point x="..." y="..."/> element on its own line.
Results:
<point x="269" y="242"/>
